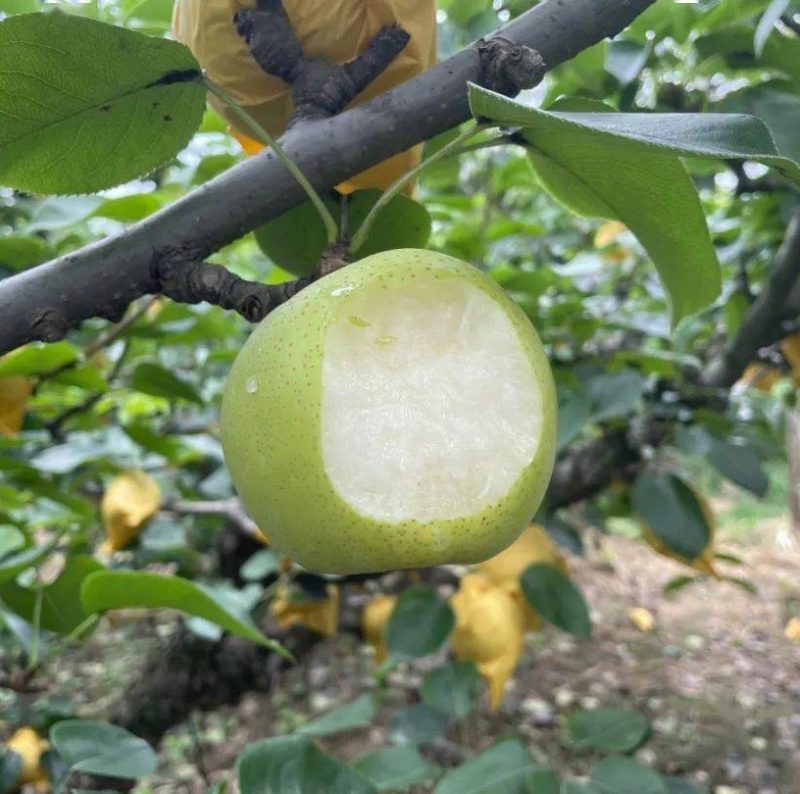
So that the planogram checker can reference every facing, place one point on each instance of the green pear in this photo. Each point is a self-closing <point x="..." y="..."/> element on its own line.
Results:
<point x="398" y="413"/>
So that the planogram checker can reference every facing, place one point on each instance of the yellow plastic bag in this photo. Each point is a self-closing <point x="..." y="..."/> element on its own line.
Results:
<point x="337" y="30"/>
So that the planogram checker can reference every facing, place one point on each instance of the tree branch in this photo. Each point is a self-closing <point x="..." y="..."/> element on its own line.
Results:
<point x="101" y="279"/>
<point x="762" y="323"/>
<point x="231" y="509"/>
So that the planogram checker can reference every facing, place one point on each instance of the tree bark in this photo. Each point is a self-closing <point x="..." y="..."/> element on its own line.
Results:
<point x="793" y="461"/>
<point x="101" y="279"/>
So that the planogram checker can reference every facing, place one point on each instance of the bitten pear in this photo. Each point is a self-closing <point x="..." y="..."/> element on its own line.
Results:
<point x="397" y="413"/>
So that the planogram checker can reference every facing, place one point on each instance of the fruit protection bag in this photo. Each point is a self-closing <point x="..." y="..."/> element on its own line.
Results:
<point x="336" y="30"/>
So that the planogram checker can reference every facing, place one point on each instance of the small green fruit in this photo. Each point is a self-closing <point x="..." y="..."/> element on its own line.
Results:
<point x="397" y="413"/>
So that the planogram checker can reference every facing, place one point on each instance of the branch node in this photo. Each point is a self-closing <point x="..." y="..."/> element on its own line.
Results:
<point x="51" y="325"/>
<point x="188" y="280"/>
<point x="335" y="256"/>
<point x="319" y="89"/>
<point x="508" y="68"/>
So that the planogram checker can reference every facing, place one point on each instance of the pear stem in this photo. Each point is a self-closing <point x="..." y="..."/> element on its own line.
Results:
<point x="331" y="229"/>
<point x="449" y="148"/>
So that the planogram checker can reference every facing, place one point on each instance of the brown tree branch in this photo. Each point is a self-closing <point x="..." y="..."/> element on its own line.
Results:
<point x="231" y="509"/>
<point x="762" y="323"/>
<point x="101" y="279"/>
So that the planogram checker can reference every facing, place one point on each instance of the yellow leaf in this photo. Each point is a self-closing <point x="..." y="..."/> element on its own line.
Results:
<point x="29" y="746"/>
<point x="336" y="30"/>
<point x="760" y="376"/>
<point x="704" y="561"/>
<point x="374" y="616"/>
<point x="641" y="618"/>
<point x="790" y="347"/>
<point x="320" y="615"/>
<point x="504" y="569"/>
<point x="489" y="630"/>
<point x="608" y="232"/>
<point x="792" y="630"/>
<point x="130" y="499"/>
<point x="14" y="393"/>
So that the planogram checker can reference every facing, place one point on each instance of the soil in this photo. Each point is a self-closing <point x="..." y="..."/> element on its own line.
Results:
<point x="716" y="676"/>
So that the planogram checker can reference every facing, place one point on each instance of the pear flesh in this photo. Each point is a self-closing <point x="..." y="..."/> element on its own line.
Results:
<point x="397" y="413"/>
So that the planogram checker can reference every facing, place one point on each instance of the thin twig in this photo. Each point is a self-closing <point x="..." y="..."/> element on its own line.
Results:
<point x="231" y="509"/>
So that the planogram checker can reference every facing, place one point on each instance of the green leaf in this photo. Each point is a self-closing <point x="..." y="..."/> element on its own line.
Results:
<point x="671" y="510"/>
<point x="504" y="767"/>
<point x="99" y="748"/>
<point x="626" y="776"/>
<point x="740" y="464"/>
<point x="11" y="540"/>
<point x="543" y="781"/>
<point x="296" y="239"/>
<point x="18" y="251"/>
<point x="556" y="599"/>
<point x="11" y="567"/>
<point x="744" y="584"/>
<point x="355" y="714"/>
<point x="419" y="623"/>
<point x="452" y="689"/>
<point x="38" y="358"/>
<point x="611" y="729"/>
<point x="10" y="770"/>
<point x="293" y="763"/>
<point x="58" y="604"/>
<point x="159" y="382"/>
<point x="126" y="589"/>
<point x="777" y="107"/>
<point x="259" y="565"/>
<point x="394" y="768"/>
<point x="417" y="724"/>
<point x="678" y="583"/>
<point x="624" y="165"/>
<point x="625" y="59"/>
<point x="87" y="105"/>
<point x="614" y="394"/>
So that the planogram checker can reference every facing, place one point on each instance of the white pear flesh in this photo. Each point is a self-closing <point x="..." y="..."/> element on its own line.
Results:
<point x="397" y="413"/>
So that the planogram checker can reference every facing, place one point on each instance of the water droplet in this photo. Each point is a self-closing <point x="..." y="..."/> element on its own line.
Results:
<point x="251" y="385"/>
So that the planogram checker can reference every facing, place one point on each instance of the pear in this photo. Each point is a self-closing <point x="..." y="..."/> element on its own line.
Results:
<point x="397" y="413"/>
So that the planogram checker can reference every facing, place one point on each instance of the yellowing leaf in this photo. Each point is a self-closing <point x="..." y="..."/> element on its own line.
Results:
<point x="608" y="233"/>
<point x="130" y="499"/>
<point x="337" y="30"/>
<point x="489" y="630"/>
<point x="374" y="616"/>
<point x="29" y="746"/>
<point x="641" y="618"/>
<point x="14" y="393"/>
<point x="790" y="347"/>
<point x="504" y="569"/>
<point x="760" y="376"/>
<point x="792" y="630"/>
<point x="704" y="561"/>
<point x="320" y="615"/>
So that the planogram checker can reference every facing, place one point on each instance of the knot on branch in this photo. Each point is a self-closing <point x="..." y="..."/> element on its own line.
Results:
<point x="51" y="325"/>
<point x="319" y="89"/>
<point x="187" y="280"/>
<point x="508" y="68"/>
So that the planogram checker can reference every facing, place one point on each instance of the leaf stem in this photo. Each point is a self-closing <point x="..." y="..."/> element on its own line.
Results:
<point x="449" y="148"/>
<point x="331" y="227"/>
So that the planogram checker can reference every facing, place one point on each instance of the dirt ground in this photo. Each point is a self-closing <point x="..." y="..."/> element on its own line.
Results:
<point x="716" y="676"/>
